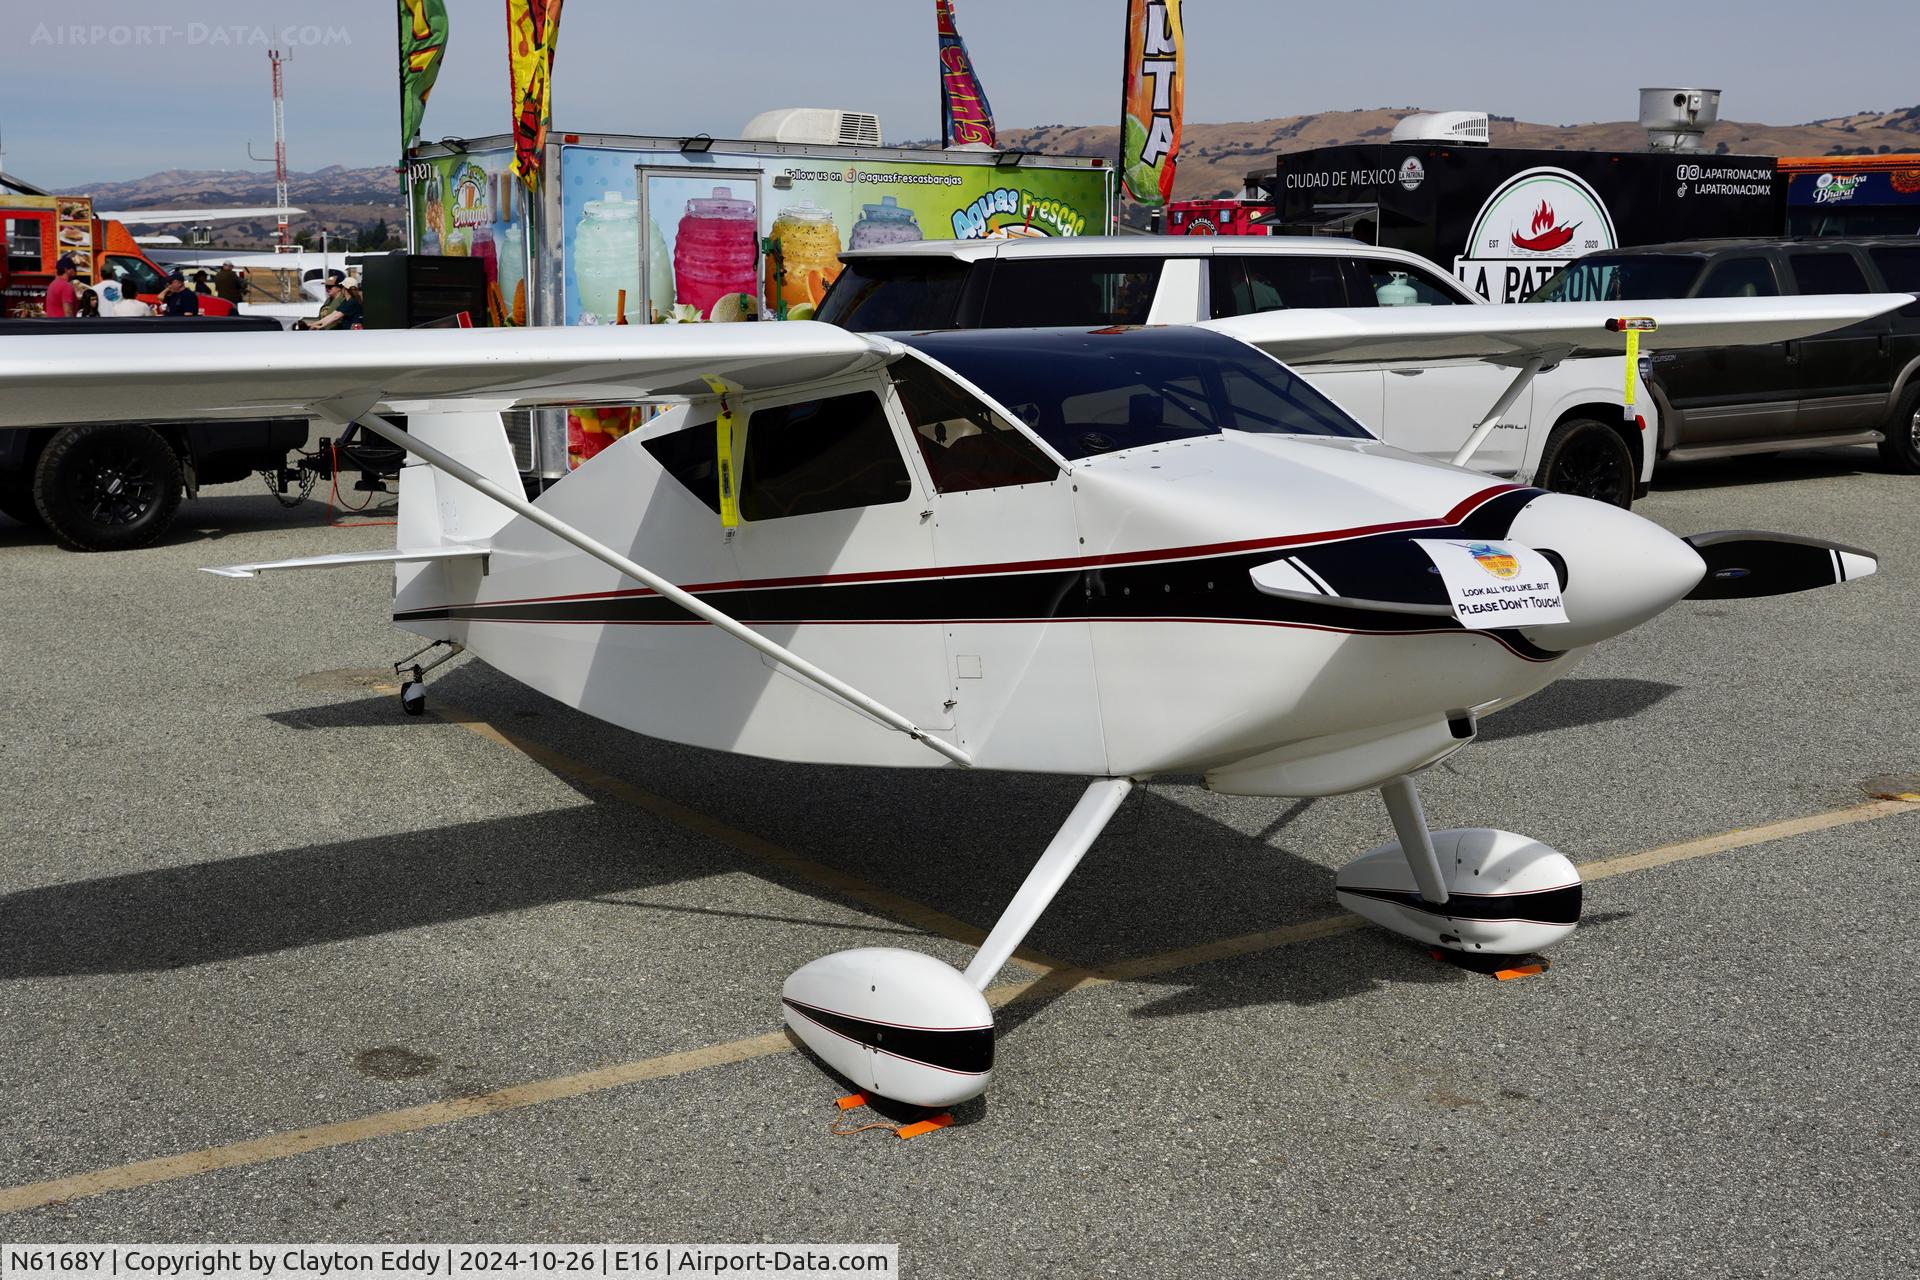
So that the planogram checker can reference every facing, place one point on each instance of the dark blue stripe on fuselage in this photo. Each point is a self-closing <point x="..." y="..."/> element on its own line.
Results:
<point x="1212" y="588"/>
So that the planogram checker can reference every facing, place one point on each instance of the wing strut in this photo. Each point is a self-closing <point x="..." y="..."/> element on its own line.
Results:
<point x="1533" y="364"/>
<point x="691" y="603"/>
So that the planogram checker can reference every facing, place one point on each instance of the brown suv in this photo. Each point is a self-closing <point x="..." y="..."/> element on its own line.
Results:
<point x="1858" y="385"/>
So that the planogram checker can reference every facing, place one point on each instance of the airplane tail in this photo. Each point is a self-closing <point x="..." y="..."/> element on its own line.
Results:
<point x="438" y="512"/>
<point x="435" y="509"/>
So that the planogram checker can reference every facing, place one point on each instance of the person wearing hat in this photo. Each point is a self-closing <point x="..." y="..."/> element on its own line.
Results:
<point x="336" y="298"/>
<point x="226" y="284"/>
<point x="176" y="299"/>
<point x="62" y="300"/>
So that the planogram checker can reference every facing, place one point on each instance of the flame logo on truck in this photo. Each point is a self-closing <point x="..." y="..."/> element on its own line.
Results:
<point x="1545" y="237"/>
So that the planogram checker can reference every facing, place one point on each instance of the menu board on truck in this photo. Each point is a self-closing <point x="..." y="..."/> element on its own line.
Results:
<point x="73" y="231"/>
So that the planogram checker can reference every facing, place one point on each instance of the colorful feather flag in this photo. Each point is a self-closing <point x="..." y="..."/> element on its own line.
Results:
<point x="1156" y="76"/>
<point x="533" y="29"/>
<point x="965" y="115"/>
<point x="423" y="43"/>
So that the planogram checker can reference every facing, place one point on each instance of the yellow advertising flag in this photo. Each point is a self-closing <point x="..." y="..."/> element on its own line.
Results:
<point x="533" y="29"/>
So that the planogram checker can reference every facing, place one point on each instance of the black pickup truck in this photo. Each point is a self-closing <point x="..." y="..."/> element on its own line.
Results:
<point x="1857" y="385"/>
<point x="110" y="486"/>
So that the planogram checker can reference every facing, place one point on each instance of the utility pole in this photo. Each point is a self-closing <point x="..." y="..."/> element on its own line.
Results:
<point x="282" y="239"/>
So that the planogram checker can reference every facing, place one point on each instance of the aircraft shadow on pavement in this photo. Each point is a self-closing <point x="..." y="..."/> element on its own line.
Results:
<point x="1570" y="703"/>
<point x="1164" y="876"/>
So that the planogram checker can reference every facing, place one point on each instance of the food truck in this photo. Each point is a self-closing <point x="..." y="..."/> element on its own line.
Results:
<point x="1852" y="195"/>
<point x="636" y="229"/>
<point x="1504" y="219"/>
<point x="40" y="230"/>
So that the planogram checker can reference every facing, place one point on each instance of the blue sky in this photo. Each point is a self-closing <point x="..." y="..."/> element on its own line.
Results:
<point x="112" y="89"/>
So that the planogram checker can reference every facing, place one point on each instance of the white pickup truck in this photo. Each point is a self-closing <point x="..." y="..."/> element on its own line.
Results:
<point x="1566" y="431"/>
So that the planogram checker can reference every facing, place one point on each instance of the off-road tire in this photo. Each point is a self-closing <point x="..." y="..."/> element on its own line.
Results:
<point x="1588" y="459"/>
<point x="1900" y="451"/>
<point x="107" y="486"/>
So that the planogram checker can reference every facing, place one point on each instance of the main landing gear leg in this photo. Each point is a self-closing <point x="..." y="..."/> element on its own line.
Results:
<point x="413" y="686"/>
<point x="901" y="1024"/>
<point x="1083" y="826"/>
<point x="1402" y="795"/>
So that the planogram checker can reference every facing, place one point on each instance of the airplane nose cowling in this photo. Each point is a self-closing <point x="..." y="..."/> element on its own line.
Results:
<point x="1621" y="569"/>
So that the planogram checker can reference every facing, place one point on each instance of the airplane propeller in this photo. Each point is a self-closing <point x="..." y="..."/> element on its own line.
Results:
<point x="1744" y="563"/>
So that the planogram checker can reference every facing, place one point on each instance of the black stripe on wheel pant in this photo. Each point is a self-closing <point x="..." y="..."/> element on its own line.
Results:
<point x="1543" y="906"/>
<point x="963" y="1050"/>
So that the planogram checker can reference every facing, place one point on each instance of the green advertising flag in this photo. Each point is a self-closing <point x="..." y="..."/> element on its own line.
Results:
<point x="423" y="43"/>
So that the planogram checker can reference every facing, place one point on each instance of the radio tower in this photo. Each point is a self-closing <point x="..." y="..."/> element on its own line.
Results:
<point x="283" y="240"/>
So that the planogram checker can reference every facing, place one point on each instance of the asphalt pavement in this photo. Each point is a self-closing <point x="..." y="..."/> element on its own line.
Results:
<point x="278" y="963"/>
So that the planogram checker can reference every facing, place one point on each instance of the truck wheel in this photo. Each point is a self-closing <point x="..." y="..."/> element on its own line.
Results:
<point x="107" y="486"/>
<point x="1587" y="459"/>
<point x="1900" y="451"/>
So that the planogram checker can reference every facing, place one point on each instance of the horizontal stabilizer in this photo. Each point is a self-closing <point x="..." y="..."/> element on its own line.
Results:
<point x="396" y="556"/>
<point x="1742" y="563"/>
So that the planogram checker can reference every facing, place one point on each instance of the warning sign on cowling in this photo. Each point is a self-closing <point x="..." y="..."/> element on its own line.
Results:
<point x="1496" y="584"/>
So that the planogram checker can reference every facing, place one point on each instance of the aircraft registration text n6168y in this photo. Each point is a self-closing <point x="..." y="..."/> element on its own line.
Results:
<point x="1112" y="553"/>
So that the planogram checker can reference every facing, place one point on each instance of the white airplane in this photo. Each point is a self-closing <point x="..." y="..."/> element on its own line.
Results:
<point x="1111" y="554"/>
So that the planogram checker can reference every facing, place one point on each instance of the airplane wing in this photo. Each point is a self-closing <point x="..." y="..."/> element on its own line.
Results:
<point x="79" y="377"/>
<point x="145" y="217"/>
<point x="1517" y="332"/>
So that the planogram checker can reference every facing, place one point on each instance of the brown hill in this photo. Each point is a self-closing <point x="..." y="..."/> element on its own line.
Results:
<point x="1216" y="158"/>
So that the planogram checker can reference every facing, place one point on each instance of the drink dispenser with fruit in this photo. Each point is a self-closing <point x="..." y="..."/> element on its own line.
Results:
<point x="803" y="256"/>
<point x="606" y="260"/>
<point x="882" y="224"/>
<point x="715" y="252"/>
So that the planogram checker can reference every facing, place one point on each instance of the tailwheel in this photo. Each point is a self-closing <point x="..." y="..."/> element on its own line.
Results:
<point x="413" y="685"/>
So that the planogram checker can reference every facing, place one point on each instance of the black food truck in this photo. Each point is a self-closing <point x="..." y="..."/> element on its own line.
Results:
<point x="1503" y="219"/>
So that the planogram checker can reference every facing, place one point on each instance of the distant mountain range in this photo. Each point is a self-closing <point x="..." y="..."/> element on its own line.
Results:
<point x="1215" y="159"/>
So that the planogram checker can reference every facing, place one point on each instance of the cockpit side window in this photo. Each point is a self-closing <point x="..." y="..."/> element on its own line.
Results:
<point x="829" y="454"/>
<point x="966" y="444"/>
<point x="690" y="456"/>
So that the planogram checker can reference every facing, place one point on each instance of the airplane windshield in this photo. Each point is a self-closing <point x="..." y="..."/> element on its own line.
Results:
<point x="1089" y="392"/>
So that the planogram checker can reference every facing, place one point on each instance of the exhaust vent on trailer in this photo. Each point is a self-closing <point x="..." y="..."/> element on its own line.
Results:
<point x="815" y="125"/>
<point x="1677" y="119"/>
<point x="1461" y="128"/>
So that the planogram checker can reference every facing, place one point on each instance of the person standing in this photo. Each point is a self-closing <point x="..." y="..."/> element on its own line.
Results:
<point x="178" y="300"/>
<point x="62" y="301"/>
<point x="227" y="285"/>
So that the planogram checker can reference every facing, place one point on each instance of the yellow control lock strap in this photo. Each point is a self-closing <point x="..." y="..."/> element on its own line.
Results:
<point x="723" y="459"/>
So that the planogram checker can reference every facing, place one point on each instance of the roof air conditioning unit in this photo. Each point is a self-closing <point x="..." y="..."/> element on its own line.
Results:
<point x="1678" y="119"/>
<point x="815" y="125"/>
<point x="1460" y="128"/>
